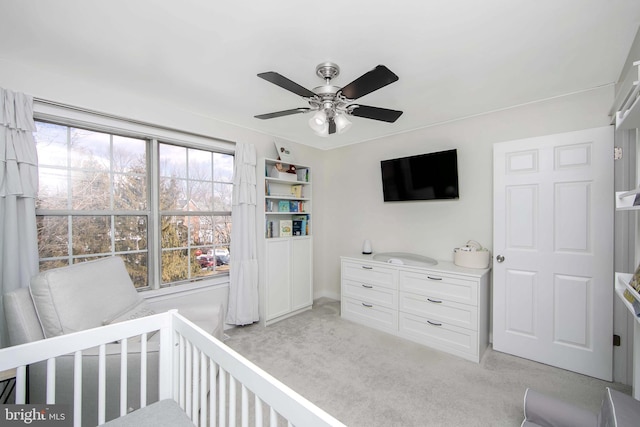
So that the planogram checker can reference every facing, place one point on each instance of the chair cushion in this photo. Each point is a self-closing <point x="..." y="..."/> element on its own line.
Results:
<point x="619" y="410"/>
<point x="82" y="296"/>
<point x="544" y="411"/>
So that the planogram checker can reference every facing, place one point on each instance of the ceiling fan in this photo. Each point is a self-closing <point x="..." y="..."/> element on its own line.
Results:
<point x="331" y="103"/>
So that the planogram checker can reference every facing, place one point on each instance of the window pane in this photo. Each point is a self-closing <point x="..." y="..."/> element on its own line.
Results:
<point x="223" y="230"/>
<point x="53" y="236"/>
<point x="51" y="144"/>
<point x="222" y="167"/>
<point x="175" y="265"/>
<point x="53" y="189"/>
<point x="90" y="190"/>
<point x="129" y="155"/>
<point x="130" y="233"/>
<point x="201" y="196"/>
<point x="137" y="267"/>
<point x="130" y="192"/>
<point x="174" y="232"/>
<point x="200" y="164"/>
<point x="222" y="197"/>
<point x="91" y="235"/>
<point x="173" y="161"/>
<point x="173" y="194"/>
<point x="89" y="149"/>
<point x="48" y="265"/>
<point x="202" y="230"/>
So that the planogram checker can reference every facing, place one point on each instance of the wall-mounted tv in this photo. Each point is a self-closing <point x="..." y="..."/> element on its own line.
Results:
<point x="430" y="176"/>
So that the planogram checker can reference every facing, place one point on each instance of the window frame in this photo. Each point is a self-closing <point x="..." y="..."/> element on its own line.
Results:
<point x="65" y="115"/>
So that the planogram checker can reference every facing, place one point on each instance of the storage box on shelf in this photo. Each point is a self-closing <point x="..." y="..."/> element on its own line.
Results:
<point x="287" y="283"/>
<point x="442" y="306"/>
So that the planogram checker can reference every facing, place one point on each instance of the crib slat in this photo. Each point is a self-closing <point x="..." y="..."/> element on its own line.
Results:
<point x="232" y="401"/>
<point x="222" y="407"/>
<point x="181" y="370"/>
<point x="258" y="411"/>
<point x="195" y="407"/>
<point x="203" y="389"/>
<point x="273" y="417"/>
<point x="123" y="377"/>
<point x="77" y="388"/>
<point x="213" y="370"/>
<point x="21" y="385"/>
<point x="245" y="407"/>
<point x="102" y="384"/>
<point x="51" y="381"/>
<point x="187" y="377"/>
<point x="143" y="370"/>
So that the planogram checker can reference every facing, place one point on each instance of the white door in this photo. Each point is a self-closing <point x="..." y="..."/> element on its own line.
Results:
<point x="553" y="250"/>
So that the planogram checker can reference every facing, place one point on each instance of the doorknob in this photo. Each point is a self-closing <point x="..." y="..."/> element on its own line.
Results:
<point x="500" y="258"/>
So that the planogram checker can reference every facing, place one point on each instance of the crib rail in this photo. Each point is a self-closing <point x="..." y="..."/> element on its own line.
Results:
<point x="213" y="384"/>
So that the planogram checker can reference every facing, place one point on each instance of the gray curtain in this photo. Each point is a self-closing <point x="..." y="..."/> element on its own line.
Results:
<point x="243" y="280"/>
<point x="18" y="188"/>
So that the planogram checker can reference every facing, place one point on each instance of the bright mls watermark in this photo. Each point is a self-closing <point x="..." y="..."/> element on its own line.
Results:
<point x="36" y="415"/>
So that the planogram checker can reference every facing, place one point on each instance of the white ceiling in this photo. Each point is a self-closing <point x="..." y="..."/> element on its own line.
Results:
<point x="454" y="58"/>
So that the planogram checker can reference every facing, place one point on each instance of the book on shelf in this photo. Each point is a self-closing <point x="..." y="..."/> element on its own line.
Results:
<point x="635" y="285"/>
<point x="286" y="228"/>
<point x="283" y="206"/>
<point x="303" y="174"/>
<point x="296" y="191"/>
<point x="300" y="225"/>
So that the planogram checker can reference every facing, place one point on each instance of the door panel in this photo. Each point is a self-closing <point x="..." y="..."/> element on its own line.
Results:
<point x="553" y="224"/>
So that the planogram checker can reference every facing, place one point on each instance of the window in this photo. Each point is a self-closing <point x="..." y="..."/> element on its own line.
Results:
<point x="98" y="197"/>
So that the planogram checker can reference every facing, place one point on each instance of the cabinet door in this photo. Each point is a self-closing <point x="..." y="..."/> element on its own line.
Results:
<point x="278" y="284"/>
<point x="301" y="273"/>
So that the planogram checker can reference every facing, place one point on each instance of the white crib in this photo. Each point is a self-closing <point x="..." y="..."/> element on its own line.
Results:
<point x="212" y="384"/>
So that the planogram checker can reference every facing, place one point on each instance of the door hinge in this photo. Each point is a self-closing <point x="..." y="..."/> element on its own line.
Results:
<point x="616" y="340"/>
<point x="617" y="153"/>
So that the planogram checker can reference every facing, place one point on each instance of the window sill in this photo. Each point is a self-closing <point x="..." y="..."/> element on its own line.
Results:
<point x="186" y="289"/>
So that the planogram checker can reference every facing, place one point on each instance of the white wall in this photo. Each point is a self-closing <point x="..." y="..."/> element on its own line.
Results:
<point x="353" y="207"/>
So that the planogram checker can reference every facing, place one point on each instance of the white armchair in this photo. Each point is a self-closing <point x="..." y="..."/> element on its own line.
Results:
<point x="84" y="296"/>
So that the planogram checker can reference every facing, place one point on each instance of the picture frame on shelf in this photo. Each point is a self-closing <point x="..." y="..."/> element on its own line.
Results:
<point x="284" y="152"/>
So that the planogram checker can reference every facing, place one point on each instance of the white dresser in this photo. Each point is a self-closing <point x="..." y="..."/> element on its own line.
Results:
<point x="442" y="306"/>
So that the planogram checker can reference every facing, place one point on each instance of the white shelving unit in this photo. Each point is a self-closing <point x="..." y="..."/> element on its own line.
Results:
<point x="286" y="285"/>
<point x="621" y="284"/>
<point x="625" y="199"/>
<point x="628" y="100"/>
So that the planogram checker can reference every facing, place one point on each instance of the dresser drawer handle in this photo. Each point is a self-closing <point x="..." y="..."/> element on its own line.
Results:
<point x="366" y="267"/>
<point x="367" y="305"/>
<point x="434" y="323"/>
<point x="367" y="286"/>
<point x="434" y="301"/>
<point x="434" y="278"/>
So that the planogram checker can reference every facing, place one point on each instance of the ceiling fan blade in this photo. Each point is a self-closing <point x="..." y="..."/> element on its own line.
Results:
<point x="373" y="80"/>
<point x="282" y="113"/>
<point x="375" y="113"/>
<point x="285" y="83"/>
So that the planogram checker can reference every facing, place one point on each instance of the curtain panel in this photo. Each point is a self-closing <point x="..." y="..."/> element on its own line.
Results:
<point x="18" y="189"/>
<point x="243" y="279"/>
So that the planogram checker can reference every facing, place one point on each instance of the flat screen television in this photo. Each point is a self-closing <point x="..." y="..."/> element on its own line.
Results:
<point x="430" y="176"/>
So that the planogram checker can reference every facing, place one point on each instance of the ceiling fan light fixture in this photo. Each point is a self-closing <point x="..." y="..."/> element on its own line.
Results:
<point x="319" y="122"/>
<point x="342" y="123"/>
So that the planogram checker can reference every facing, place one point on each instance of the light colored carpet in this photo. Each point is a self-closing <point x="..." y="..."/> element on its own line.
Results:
<point x="369" y="378"/>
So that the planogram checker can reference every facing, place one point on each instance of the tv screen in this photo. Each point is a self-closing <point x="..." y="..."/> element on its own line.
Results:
<point x="430" y="176"/>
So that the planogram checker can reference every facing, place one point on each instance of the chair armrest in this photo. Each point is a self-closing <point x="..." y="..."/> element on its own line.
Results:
<point x="546" y="411"/>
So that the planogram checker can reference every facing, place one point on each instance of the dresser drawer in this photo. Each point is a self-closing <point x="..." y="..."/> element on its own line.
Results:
<point x="440" y="335"/>
<point x="440" y="286"/>
<point x="452" y="313"/>
<point x="372" y="315"/>
<point x="372" y="294"/>
<point x="370" y="274"/>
